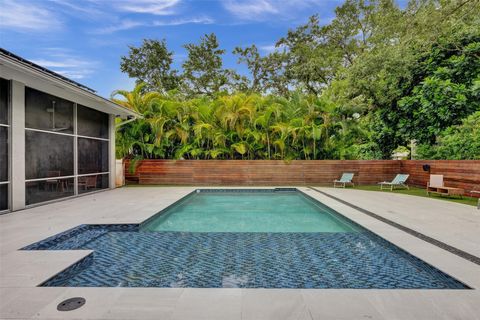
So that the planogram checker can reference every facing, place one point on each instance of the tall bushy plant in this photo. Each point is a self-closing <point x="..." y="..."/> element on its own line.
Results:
<point x="238" y="126"/>
<point x="461" y="142"/>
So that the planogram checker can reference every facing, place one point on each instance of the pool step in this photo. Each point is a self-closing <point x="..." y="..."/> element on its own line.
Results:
<point x="78" y="237"/>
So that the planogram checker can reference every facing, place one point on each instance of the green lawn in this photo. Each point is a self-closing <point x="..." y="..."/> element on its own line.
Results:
<point x="414" y="191"/>
<point x="420" y="192"/>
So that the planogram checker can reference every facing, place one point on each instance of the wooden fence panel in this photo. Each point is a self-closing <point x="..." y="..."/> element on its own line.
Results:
<point x="258" y="172"/>
<point x="462" y="173"/>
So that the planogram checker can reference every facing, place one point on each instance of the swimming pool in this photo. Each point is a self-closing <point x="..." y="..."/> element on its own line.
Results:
<point x="241" y="238"/>
<point x="264" y="210"/>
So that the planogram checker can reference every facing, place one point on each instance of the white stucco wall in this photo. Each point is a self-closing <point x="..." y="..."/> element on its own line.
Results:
<point x="20" y="78"/>
<point x="17" y="154"/>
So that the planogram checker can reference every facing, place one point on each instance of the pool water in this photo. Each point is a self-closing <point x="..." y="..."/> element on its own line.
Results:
<point x="192" y="245"/>
<point x="261" y="211"/>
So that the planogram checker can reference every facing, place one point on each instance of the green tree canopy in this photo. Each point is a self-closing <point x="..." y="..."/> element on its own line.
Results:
<point x="151" y="64"/>
<point x="370" y="80"/>
<point x="460" y="142"/>
<point x="203" y="72"/>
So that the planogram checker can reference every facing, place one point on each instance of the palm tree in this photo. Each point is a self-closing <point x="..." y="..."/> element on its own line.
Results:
<point x="271" y="112"/>
<point x="137" y="100"/>
<point x="235" y="126"/>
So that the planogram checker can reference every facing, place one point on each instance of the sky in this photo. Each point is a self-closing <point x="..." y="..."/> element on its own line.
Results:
<point x="85" y="39"/>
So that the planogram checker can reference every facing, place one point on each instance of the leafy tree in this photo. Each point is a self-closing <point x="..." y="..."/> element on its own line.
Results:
<point x="136" y="139"/>
<point x="203" y="71"/>
<point x="403" y="56"/>
<point x="277" y="81"/>
<point x="373" y="78"/>
<point x="317" y="53"/>
<point x="267" y="73"/>
<point x="433" y="106"/>
<point x="460" y="142"/>
<point x="448" y="93"/>
<point x="311" y="62"/>
<point x="151" y="64"/>
<point x="256" y="64"/>
<point x="138" y="99"/>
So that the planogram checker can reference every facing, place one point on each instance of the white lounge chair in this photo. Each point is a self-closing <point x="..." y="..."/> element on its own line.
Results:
<point x="436" y="180"/>
<point x="398" y="181"/>
<point x="436" y="185"/>
<point x="345" y="179"/>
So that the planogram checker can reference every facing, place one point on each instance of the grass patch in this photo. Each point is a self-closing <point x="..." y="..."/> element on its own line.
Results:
<point x="420" y="192"/>
<point x="414" y="191"/>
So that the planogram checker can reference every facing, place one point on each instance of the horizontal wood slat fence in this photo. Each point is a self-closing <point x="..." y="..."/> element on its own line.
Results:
<point x="462" y="173"/>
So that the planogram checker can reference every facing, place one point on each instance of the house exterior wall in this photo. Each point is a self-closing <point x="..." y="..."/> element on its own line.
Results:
<point x="17" y="139"/>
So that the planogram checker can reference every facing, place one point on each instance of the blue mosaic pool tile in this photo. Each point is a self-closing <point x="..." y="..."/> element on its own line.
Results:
<point x="130" y="258"/>
<point x="72" y="270"/>
<point x="78" y="237"/>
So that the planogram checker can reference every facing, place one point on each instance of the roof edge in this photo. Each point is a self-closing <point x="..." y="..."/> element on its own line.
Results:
<point x="51" y="75"/>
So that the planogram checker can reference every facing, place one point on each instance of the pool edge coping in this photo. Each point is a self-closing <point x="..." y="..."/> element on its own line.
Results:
<point x="442" y="245"/>
<point x="289" y="189"/>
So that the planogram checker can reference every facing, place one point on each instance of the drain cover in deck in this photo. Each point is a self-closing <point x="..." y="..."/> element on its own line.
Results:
<point x="71" y="304"/>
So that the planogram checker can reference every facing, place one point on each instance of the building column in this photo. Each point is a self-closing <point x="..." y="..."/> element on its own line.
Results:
<point x="75" y="149"/>
<point x="111" y="153"/>
<point x="17" y="130"/>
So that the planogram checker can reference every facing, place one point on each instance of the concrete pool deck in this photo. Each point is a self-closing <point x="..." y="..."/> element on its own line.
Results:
<point x="21" y="271"/>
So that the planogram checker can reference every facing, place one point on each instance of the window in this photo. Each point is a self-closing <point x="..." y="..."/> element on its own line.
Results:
<point x="92" y="156"/>
<point x="48" y="155"/>
<point x="4" y="168"/>
<point x="92" y="149"/>
<point x="92" y="123"/>
<point x="4" y="99"/>
<point x="51" y="142"/>
<point x="92" y="164"/>
<point x="3" y="154"/>
<point x="3" y="197"/>
<point x="46" y="190"/>
<point x="47" y="112"/>
<point x="4" y="143"/>
<point x="92" y="182"/>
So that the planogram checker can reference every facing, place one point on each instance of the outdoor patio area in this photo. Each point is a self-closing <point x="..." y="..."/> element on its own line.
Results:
<point x="406" y="221"/>
<point x="240" y="159"/>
